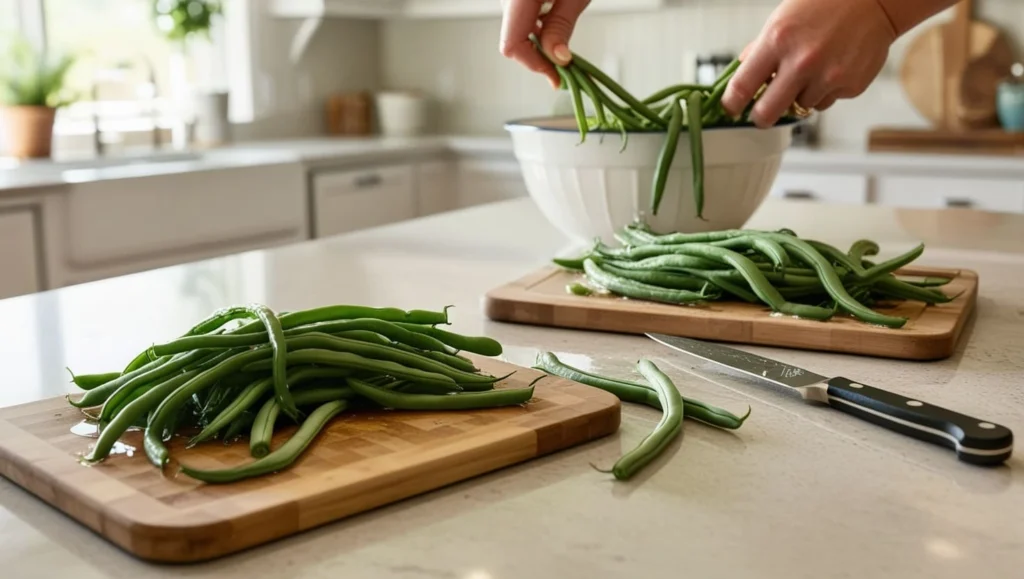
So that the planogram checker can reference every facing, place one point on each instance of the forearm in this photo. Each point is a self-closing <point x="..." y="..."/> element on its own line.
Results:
<point x="906" y="14"/>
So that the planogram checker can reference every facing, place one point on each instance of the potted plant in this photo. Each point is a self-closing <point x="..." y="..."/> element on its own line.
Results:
<point x="188" y="24"/>
<point x="32" y="88"/>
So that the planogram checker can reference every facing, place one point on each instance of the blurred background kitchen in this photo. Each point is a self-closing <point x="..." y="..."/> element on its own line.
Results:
<point x="323" y="108"/>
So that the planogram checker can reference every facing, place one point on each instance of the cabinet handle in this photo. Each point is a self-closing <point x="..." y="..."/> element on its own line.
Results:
<point x="798" y="195"/>
<point x="959" y="202"/>
<point x="368" y="180"/>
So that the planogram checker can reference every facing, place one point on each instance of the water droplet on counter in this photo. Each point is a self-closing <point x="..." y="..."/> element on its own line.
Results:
<point x="87" y="428"/>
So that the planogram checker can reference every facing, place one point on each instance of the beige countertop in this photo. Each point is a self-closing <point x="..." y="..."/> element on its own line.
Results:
<point x="799" y="491"/>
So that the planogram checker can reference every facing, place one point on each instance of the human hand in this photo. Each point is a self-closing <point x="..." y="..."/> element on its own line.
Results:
<point x="819" y="50"/>
<point x="523" y="18"/>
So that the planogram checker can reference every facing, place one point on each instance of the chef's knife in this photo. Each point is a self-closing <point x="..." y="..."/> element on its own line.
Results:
<point x="975" y="441"/>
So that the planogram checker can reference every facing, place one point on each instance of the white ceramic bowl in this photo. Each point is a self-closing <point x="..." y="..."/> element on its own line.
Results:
<point x="402" y="114"/>
<point x="590" y="190"/>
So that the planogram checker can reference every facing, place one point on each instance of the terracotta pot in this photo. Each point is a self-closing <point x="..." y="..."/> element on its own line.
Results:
<point x="28" y="130"/>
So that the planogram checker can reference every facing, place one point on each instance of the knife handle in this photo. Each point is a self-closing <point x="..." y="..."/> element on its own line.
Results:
<point x="975" y="441"/>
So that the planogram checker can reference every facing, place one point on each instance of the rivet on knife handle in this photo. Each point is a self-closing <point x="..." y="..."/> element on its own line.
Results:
<point x="975" y="441"/>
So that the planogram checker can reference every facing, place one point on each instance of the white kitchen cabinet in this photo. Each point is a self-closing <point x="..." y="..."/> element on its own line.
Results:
<point x="349" y="200"/>
<point x="436" y="188"/>
<point x="489" y="180"/>
<point x="918" y="191"/>
<point x="19" y="251"/>
<point x="841" y="188"/>
<point x="118" y="226"/>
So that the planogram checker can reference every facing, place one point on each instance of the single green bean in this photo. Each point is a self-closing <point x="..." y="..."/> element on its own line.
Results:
<point x="640" y="393"/>
<point x="694" y="104"/>
<point x="239" y="424"/>
<point x="459" y="401"/>
<point x="861" y="248"/>
<point x="281" y="458"/>
<point x="279" y="346"/>
<point x="893" y="287"/>
<point x="672" y="91"/>
<point x="769" y="248"/>
<point x="666" y="156"/>
<point x="577" y="102"/>
<point x="90" y="381"/>
<point x="481" y="345"/>
<point x="668" y="428"/>
<point x="453" y="360"/>
<point x="263" y="426"/>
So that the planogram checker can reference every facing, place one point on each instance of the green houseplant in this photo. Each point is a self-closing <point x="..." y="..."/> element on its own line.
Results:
<point x="32" y="88"/>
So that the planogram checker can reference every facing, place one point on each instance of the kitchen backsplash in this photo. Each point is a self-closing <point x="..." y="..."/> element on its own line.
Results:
<point x="476" y="90"/>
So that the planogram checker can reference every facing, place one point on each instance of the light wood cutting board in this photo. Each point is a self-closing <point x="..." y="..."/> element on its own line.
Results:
<point x="951" y="71"/>
<point x="932" y="333"/>
<point x="360" y="461"/>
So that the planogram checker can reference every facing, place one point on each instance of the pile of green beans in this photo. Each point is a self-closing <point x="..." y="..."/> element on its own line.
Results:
<point x="804" y="278"/>
<point x="248" y="369"/>
<point x="660" y="393"/>
<point x="675" y="109"/>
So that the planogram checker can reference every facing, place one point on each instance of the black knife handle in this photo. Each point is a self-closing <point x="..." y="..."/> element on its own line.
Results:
<point x="975" y="441"/>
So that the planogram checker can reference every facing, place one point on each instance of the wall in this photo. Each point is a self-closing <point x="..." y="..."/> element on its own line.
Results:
<point x="477" y="89"/>
<point x="288" y="98"/>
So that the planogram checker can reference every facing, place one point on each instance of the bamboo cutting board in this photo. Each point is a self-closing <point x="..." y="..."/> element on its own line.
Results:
<point x="360" y="461"/>
<point x="931" y="333"/>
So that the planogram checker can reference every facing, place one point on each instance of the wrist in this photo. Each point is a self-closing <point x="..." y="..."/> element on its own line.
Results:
<point x="904" y="15"/>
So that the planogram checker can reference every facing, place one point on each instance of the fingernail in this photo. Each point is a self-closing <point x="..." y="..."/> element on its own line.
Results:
<point x="563" y="54"/>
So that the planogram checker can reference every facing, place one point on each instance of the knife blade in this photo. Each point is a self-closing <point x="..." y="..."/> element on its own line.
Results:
<point x="975" y="441"/>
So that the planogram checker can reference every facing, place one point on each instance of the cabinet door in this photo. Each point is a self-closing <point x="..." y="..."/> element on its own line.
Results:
<point x="488" y="181"/>
<point x="346" y="201"/>
<point x="845" y="189"/>
<point x="19" y="265"/>
<point x="998" y="195"/>
<point x="435" y="187"/>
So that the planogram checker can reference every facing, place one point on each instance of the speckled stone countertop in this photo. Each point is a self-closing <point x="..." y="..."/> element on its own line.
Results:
<point x="800" y="491"/>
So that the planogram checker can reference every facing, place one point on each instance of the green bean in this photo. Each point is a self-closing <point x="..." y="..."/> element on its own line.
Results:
<point x="242" y="422"/>
<point x="643" y="252"/>
<point x="279" y="345"/>
<point x="459" y="401"/>
<point x="348" y="312"/>
<point x="673" y="90"/>
<point x="98" y="395"/>
<point x="284" y="456"/>
<point x="668" y="428"/>
<point x="639" y="393"/>
<point x="891" y="265"/>
<point x="408" y="359"/>
<point x="666" y="156"/>
<point x="90" y="381"/>
<point x="588" y="87"/>
<point x="476" y="344"/>
<point x="770" y="249"/>
<point x="834" y="285"/>
<point x="663" y="279"/>
<point x="701" y="237"/>
<point x="860" y="248"/>
<point x="578" y="289"/>
<point x="726" y="285"/>
<point x="577" y="101"/>
<point x="599" y="76"/>
<point x="637" y="290"/>
<point x="137" y="362"/>
<point x="263" y="426"/>
<point x="758" y="283"/>
<point x="132" y="412"/>
<point x="255" y="391"/>
<point x="453" y="360"/>
<point x="158" y="373"/>
<point x="153" y="441"/>
<point x="929" y="281"/>
<point x="352" y="361"/>
<point x="694" y="104"/>
<point x="893" y="287"/>
<point x="719" y="88"/>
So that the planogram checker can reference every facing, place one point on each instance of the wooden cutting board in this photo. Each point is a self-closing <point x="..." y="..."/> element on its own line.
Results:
<point x="932" y="333"/>
<point x="360" y="461"/>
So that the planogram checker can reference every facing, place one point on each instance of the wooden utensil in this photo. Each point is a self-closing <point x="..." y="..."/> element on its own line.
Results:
<point x="951" y="70"/>
<point x="360" y="461"/>
<point x="931" y="333"/>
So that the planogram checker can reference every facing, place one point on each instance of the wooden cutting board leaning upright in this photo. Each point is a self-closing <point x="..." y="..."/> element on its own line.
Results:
<point x="951" y="71"/>
<point x="360" y="461"/>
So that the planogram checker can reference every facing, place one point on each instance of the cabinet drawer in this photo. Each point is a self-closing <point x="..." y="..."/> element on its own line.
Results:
<point x="121" y="221"/>
<point x="823" y="187"/>
<point x="19" y="260"/>
<point x="346" y="201"/>
<point x="999" y="195"/>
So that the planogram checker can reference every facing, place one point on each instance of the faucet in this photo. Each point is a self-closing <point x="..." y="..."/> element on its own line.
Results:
<point x="118" y="70"/>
